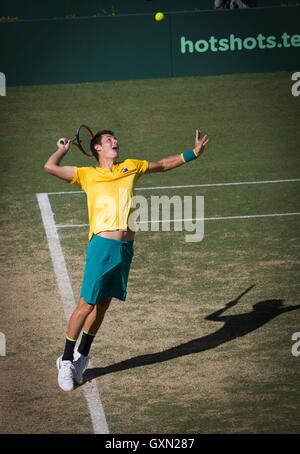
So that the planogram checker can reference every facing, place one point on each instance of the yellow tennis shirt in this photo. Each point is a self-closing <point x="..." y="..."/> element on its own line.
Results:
<point x="109" y="193"/>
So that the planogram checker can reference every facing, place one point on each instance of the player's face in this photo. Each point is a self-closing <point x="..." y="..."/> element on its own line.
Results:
<point x="109" y="146"/>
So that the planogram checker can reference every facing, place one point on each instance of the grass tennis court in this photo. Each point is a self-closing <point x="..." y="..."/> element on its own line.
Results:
<point x="163" y="363"/>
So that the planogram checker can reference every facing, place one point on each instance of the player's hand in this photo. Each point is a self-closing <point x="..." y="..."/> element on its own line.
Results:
<point x="200" y="142"/>
<point x="64" y="144"/>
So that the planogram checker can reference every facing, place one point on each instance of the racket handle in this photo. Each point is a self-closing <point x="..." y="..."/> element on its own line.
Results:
<point x="63" y="141"/>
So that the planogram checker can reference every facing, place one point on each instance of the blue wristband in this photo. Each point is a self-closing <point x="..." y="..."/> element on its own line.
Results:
<point x="188" y="155"/>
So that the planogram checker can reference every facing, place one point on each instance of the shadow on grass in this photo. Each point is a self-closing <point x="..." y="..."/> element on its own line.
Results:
<point x="235" y="326"/>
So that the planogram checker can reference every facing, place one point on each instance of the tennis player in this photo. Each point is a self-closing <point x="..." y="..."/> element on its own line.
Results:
<point x="110" y="248"/>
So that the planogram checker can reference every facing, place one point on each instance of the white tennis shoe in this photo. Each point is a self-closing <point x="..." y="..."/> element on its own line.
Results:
<point x="66" y="373"/>
<point x="80" y="364"/>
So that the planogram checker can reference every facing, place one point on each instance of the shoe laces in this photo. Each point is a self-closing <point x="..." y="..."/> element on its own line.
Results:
<point x="67" y="369"/>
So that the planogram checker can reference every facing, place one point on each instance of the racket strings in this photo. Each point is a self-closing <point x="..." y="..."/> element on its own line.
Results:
<point x="84" y="140"/>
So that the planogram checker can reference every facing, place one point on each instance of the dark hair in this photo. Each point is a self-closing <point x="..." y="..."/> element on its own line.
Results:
<point x="96" y="140"/>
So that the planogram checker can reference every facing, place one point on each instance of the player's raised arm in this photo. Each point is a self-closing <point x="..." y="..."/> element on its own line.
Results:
<point x="171" y="162"/>
<point x="52" y="165"/>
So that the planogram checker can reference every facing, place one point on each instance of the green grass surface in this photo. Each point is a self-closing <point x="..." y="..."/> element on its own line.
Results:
<point x="162" y="361"/>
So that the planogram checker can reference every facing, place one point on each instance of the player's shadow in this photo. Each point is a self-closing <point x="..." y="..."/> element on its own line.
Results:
<point x="235" y="326"/>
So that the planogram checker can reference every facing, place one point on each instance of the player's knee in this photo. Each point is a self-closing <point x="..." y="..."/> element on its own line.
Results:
<point x="85" y="307"/>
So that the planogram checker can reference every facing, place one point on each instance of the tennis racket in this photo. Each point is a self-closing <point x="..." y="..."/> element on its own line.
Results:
<point x="82" y="140"/>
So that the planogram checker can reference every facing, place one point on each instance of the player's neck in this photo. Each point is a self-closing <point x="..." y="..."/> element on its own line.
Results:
<point x="107" y="163"/>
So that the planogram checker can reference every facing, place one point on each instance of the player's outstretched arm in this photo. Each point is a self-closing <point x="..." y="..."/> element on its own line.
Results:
<point x="216" y="316"/>
<point x="52" y="165"/>
<point x="171" y="162"/>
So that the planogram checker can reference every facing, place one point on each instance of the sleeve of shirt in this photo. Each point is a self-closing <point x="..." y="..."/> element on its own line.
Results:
<point x="79" y="177"/>
<point x="141" y="167"/>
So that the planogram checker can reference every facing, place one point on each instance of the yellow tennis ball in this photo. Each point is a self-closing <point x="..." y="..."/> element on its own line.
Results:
<point x="159" y="16"/>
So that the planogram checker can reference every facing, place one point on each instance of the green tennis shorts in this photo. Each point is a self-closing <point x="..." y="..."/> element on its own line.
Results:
<point x="106" y="270"/>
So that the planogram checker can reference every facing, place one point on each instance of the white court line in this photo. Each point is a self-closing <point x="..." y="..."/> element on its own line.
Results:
<point x="90" y="389"/>
<point x="217" y="218"/>
<point x="206" y="185"/>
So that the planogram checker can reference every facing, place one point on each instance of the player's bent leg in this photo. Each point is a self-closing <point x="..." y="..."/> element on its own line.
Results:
<point x="65" y="365"/>
<point x="90" y="329"/>
<point x="76" y="322"/>
<point x="95" y="318"/>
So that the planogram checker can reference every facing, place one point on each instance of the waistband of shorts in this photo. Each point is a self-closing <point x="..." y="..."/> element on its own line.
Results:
<point x="111" y="240"/>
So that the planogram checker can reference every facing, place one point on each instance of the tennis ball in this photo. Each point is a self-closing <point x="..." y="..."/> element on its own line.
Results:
<point x="159" y="16"/>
